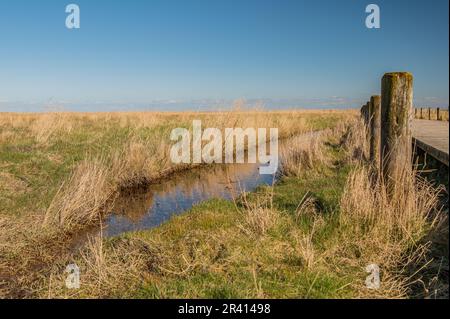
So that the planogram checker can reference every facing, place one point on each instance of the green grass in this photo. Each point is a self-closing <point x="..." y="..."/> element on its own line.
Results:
<point x="233" y="264"/>
<point x="33" y="169"/>
<point x="217" y="249"/>
<point x="45" y="166"/>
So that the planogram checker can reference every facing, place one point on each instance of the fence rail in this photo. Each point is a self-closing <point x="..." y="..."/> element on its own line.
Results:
<point x="429" y="113"/>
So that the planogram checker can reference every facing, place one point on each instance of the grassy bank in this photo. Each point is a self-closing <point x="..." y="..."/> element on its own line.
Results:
<point x="312" y="235"/>
<point x="40" y="152"/>
<point x="60" y="172"/>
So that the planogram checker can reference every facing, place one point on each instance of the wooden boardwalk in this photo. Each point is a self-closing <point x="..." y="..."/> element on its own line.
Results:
<point x="432" y="137"/>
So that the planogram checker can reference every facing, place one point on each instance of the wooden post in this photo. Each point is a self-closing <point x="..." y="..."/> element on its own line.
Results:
<point x="364" y="113"/>
<point x="437" y="114"/>
<point x="366" y="118"/>
<point x="396" y="114"/>
<point x="421" y="114"/>
<point x="429" y="113"/>
<point x="375" y="131"/>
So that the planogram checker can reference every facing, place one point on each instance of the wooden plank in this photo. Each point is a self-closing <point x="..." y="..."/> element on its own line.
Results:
<point x="433" y="138"/>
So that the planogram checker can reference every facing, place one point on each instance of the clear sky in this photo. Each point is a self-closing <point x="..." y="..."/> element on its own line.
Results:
<point x="174" y="54"/>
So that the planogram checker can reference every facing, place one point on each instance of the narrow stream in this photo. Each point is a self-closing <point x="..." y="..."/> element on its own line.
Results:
<point x="152" y="207"/>
<point x="160" y="201"/>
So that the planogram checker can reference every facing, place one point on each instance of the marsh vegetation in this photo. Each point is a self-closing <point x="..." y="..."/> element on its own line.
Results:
<point x="310" y="235"/>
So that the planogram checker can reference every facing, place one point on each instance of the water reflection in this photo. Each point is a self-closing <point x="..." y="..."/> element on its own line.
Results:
<point x="144" y="210"/>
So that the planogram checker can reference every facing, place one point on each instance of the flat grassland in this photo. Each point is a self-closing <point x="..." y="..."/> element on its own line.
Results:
<point x="309" y="236"/>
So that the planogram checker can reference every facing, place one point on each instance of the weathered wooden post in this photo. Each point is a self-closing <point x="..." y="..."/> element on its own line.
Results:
<point x="366" y="117"/>
<point x="421" y="114"/>
<point x="375" y="131"/>
<point x="437" y="114"/>
<point x="429" y="113"/>
<point x="364" y="113"/>
<point x="396" y="113"/>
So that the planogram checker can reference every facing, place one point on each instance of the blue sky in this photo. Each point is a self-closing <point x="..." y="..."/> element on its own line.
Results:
<point x="205" y="53"/>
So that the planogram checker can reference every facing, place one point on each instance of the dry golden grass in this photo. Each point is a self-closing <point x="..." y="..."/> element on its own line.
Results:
<point x="11" y="184"/>
<point x="258" y="215"/>
<point x="354" y="141"/>
<point x="109" y="270"/>
<point x="102" y="154"/>
<point x="393" y="230"/>
<point x="372" y="226"/>
<point x="388" y="225"/>
<point x="303" y="153"/>
<point x="388" y="229"/>
<point x="71" y="207"/>
<point x="305" y="248"/>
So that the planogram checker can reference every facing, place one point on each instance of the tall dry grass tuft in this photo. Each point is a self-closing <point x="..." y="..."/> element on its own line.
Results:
<point x="302" y="153"/>
<point x="305" y="248"/>
<point x="105" y="272"/>
<point x="95" y="183"/>
<point x="80" y="200"/>
<point x="353" y="138"/>
<point x="258" y="214"/>
<point x="139" y="162"/>
<point x="308" y="206"/>
<point x="388" y="228"/>
<point x="258" y="220"/>
<point x="48" y="125"/>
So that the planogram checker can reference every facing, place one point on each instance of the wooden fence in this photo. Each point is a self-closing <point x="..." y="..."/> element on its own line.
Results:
<point x="428" y="113"/>
<point x="388" y="119"/>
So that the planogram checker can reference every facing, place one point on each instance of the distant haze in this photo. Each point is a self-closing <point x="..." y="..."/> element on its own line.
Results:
<point x="195" y="105"/>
